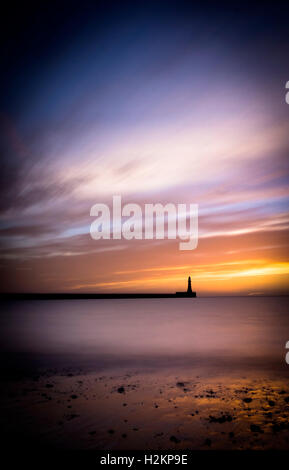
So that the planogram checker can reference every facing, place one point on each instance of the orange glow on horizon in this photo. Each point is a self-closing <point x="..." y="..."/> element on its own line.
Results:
<point x="234" y="277"/>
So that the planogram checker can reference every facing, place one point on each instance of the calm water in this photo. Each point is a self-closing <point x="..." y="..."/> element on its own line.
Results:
<point x="102" y="334"/>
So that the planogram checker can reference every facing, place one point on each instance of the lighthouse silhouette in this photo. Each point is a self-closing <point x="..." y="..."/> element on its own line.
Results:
<point x="189" y="289"/>
<point x="189" y="292"/>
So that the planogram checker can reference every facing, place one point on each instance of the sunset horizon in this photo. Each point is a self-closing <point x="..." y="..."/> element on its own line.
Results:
<point x="144" y="232"/>
<point x="167" y="110"/>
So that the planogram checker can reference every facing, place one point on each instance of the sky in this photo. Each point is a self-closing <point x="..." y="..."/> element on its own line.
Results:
<point x="159" y="102"/>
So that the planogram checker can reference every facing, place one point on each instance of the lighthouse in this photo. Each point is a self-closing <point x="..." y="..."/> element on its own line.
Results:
<point x="189" y="289"/>
<point x="189" y="292"/>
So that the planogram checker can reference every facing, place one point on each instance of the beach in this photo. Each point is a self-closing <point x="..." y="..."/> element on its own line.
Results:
<point x="202" y="374"/>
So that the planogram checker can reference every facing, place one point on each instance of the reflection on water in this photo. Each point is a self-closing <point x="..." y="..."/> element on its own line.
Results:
<point x="145" y="374"/>
<point x="208" y="331"/>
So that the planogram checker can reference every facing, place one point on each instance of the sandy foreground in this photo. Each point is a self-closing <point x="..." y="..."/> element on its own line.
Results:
<point x="151" y="410"/>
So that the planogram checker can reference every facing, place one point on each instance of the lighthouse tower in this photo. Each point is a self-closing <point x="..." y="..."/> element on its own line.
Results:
<point x="189" y="292"/>
<point x="189" y="289"/>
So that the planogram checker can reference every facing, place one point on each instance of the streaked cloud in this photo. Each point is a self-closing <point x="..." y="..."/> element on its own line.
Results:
<point x="169" y="112"/>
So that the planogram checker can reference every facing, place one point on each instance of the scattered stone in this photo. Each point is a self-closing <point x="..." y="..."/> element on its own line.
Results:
<point x="180" y="384"/>
<point x="220" y="419"/>
<point x="174" y="439"/>
<point x="120" y="390"/>
<point x="72" y="416"/>
<point x="247" y="400"/>
<point x="256" y="428"/>
<point x="110" y="431"/>
<point x="277" y="427"/>
<point x="271" y="403"/>
<point x="73" y="397"/>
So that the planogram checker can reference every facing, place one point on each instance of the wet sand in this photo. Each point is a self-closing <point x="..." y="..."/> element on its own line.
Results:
<point x="207" y="374"/>
<point x="153" y="410"/>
